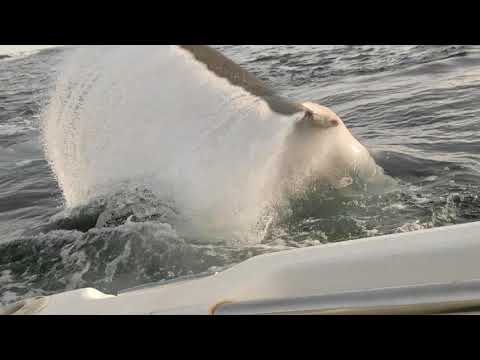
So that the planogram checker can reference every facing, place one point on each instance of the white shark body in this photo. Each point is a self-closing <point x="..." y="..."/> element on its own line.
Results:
<point x="322" y="147"/>
<point x="190" y="123"/>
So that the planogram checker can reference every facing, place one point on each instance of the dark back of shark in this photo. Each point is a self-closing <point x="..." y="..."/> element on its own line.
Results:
<point x="225" y="68"/>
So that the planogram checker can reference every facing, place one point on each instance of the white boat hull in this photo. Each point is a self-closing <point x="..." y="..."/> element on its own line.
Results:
<point x="428" y="271"/>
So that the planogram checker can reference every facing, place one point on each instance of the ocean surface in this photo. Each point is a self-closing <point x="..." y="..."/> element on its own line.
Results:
<point x="416" y="108"/>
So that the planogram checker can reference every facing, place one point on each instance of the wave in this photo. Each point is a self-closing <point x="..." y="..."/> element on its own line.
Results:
<point x="10" y="51"/>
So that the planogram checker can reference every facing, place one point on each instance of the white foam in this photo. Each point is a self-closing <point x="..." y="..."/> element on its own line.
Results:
<point x="8" y="297"/>
<point x="155" y="115"/>
<point x="23" y="50"/>
<point x="5" y="276"/>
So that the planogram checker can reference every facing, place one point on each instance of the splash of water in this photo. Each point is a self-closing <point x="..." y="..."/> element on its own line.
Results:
<point x="153" y="116"/>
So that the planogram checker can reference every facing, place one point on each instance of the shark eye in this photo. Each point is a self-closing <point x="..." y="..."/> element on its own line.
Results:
<point x="333" y="122"/>
<point x="328" y="121"/>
